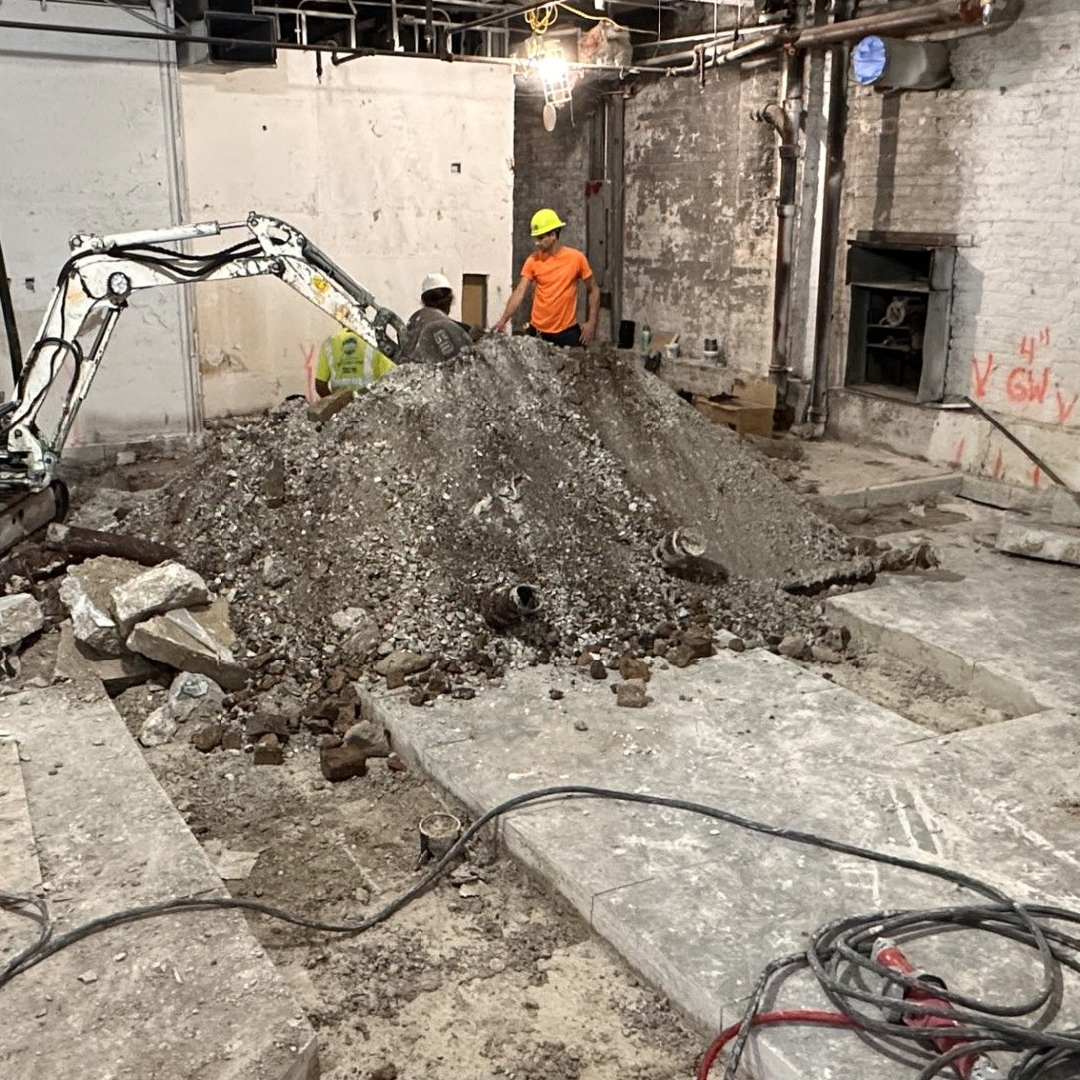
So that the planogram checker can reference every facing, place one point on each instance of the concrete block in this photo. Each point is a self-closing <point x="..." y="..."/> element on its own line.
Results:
<point x="980" y="489"/>
<point x="86" y="591"/>
<point x="901" y="492"/>
<point x="1019" y="664"/>
<point x="156" y="591"/>
<point x="173" y="998"/>
<point x="1065" y="509"/>
<point x="1033" y="540"/>
<point x="189" y="641"/>
<point x="699" y="906"/>
<point x="78" y="662"/>
<point x="20" y="616"/>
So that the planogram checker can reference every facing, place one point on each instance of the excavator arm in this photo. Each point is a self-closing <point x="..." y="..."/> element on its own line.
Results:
<point x="97" y="281"/>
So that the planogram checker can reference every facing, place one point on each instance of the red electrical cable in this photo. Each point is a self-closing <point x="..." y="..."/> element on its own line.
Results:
<point x="792" y="1016"/>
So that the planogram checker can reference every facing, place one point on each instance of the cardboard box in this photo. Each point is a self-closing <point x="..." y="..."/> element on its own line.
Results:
<point x="749" y="410"/>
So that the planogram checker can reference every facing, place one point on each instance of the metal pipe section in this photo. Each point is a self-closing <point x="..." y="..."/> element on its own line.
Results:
<point x="788" y="130"/>
<point x="507" y="605"/>
<point x="338" y="55"/>
<point x="679" y="547"/>
<point x="508" y="13"/>
<point x="830" y="222"/>
<point x="713" y="43"/>
<point x="10" y="327"/>
<point x="844" y="30"/>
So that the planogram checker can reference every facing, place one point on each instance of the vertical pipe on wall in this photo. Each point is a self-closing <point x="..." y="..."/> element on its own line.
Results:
<point x="176" y="169"/>
<point x="788" y="129"/>
<point x="10" y="327"/>
<point x="616" y="106"/>
<point x="830" y="221"/>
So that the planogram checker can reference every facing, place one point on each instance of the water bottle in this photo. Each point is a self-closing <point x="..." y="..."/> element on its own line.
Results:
<point x="646" y="339"/>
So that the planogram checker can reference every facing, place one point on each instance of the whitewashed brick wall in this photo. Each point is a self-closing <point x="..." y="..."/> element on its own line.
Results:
<point x="995" y="156"/>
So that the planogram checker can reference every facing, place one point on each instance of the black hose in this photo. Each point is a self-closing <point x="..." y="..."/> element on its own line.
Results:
<point x="838" y="954"/>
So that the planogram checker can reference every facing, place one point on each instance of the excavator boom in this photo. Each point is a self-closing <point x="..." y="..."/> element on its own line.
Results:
<point x="97" y="282"/>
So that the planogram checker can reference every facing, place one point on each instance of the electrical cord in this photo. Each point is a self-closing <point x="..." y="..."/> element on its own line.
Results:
<point x="838" y="955"/>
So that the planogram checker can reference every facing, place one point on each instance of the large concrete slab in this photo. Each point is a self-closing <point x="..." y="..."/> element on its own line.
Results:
<point x="999" y="631"/>
<point x="849" y="475"/>
<point x="698" y="906"/>
<point x="185" y="997"/>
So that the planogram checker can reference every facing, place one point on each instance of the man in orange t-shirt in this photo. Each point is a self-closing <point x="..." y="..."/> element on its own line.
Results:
<point x="554" y="271"/>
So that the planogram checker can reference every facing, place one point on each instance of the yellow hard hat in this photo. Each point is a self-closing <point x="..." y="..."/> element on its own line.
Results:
<point x="545" y="221"/>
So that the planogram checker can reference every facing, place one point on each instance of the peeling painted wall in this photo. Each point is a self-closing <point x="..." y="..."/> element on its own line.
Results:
<point x="995" y="156"/>
<point x="88" y="146"/>
<point x="394" y="167"/>
<point x="700" y="213"/>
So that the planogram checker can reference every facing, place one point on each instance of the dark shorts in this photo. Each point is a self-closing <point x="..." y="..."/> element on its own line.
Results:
<point x="568" y="338"/>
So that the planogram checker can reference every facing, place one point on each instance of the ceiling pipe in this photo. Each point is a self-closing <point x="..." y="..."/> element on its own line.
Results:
<point x="724" y="38"/>
<point x="946" y="12"/>
<point x="829" y="228"/>
<point x="696" y="54"/>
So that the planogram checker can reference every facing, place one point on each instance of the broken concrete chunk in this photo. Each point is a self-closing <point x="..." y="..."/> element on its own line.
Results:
<point x="324" y="408"/>
<point x="699" y="641"/>
<point x="405" y="662"/>
<point x="368" y="738"/>
<point x="275" y="571"/>
<point x="342" y="762"/>
<point x="274" y="484"/>
<point x="1065" y="509"/>
<point x="268" y="751"/>
<point x="159" y="728"/>
<point x="1054" y="543"/>
<point x="681" y="656"/>
<point x="208" y="738"/>
<point x="630" y="694"/>
<point x="162" y="589"/>
<point x="264" y="724"/>
<point x="186" y="640"/>
<point x="348" y="619"/>
<point x="632" y="668"/>
<point x="195" y="697"/>
<point x="793" y="645"/>
<point x="20" y="616"/>
<point x="87" y="593"/>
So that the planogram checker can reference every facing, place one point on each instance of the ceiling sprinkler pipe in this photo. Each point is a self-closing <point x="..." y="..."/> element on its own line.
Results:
<point x="713" y="46"/>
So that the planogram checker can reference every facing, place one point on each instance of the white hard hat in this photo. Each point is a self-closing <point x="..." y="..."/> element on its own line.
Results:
<point x="434" y="281"/>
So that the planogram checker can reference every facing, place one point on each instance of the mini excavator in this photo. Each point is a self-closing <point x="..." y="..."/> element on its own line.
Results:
<point x="95" y="286"/>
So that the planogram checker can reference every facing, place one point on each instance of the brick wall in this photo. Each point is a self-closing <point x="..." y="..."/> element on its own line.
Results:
<point x="995" y="156"/>
<point x="700" y="213"/>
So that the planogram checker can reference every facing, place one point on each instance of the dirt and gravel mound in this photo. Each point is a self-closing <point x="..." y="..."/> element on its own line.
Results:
<point x="515" y="463"/>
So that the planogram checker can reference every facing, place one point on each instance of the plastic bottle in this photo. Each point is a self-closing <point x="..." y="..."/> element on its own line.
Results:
<point x="646" y="339"/>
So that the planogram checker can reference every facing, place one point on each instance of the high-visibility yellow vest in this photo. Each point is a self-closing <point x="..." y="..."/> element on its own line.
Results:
<point x="347" y="361"/>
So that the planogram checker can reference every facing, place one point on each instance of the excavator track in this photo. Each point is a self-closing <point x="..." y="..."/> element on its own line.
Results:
<point x="23" y="515"/>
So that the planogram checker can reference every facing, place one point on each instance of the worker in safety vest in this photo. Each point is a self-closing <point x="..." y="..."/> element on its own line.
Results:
<point x="554" y="270"/>
<point x="348" y="362"/>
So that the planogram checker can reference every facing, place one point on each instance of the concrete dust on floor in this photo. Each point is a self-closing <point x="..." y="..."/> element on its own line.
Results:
<point x="909" y="690"/>
<point x="487" y="975"/>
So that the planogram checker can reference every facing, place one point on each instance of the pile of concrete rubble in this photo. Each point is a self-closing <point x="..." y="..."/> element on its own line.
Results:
<point x="521" y="505"/>
<point x="376" y="536"/>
